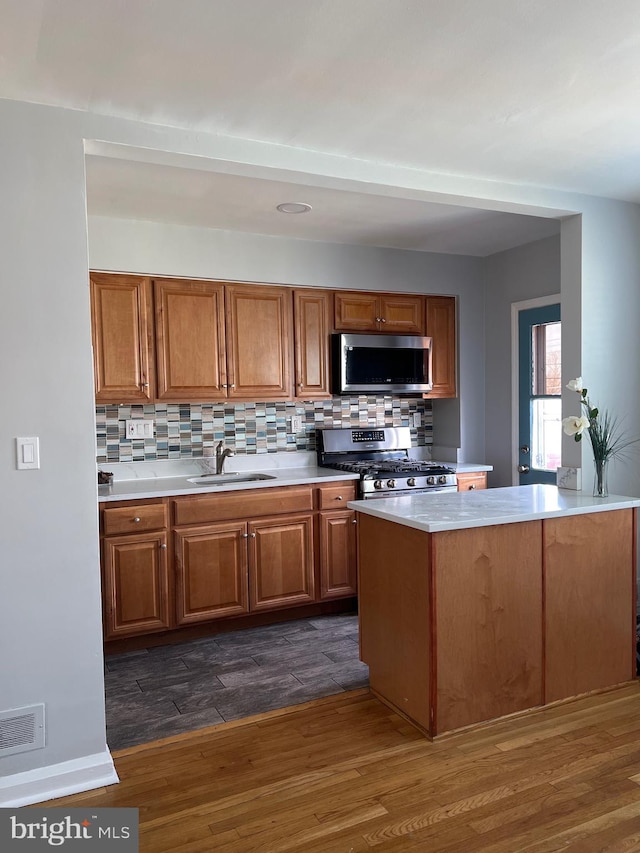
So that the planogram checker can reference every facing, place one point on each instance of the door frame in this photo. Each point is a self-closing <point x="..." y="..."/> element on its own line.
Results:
<point x="516" y="307"/>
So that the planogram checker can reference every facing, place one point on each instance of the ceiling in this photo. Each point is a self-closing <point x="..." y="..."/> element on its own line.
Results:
<point x="535" y="92"/>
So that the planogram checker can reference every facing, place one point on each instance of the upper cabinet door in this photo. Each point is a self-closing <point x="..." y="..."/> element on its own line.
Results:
<point x="441" y="326"/>
<point x="122" y="333"/>
<point x="403" y="315"/>
<point x="190" y="340"/>
<point x="355" y="312"/>
<point x="381" y="312"/>
<point x="259" y="342"/>
<point x="311" y="335"/>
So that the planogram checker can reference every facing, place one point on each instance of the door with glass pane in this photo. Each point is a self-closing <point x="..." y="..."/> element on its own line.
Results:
<point x="540" y="408"/>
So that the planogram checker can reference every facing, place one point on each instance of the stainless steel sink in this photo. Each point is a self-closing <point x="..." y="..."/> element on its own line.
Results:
<point x="228" y="479"/>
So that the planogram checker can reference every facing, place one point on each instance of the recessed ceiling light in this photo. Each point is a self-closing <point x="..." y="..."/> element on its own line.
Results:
<point x="294" y="207"/>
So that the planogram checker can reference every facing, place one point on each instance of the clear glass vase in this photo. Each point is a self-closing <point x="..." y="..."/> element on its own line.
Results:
<point x="600" y="484"/>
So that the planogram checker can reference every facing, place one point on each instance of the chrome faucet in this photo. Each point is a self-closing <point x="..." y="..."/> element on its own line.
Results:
<point x="221" y="455"/>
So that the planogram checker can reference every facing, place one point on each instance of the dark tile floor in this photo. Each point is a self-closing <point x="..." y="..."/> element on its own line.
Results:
<point x="166" y="690"/>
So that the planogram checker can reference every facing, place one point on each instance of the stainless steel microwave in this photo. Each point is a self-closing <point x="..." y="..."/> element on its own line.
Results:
<point x="380" y="364"/>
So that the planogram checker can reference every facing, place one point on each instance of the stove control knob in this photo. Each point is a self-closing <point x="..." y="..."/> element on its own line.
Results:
<point x="431" y="481"/>
<point x="391" y="484"/>
<point x="442" y="479"/>
<point x="377" y="484"/>
<point x="411" y="481"/>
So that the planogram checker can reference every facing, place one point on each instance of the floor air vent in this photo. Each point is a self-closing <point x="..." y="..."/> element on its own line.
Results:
<point x="21" y="729"/>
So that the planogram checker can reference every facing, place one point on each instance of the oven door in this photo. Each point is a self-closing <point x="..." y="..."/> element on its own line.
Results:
<point x="407" y="493"/>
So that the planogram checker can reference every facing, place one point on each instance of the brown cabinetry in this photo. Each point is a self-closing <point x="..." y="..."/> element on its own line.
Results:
<point x="378" y="312"/>
<point x="211" y="572"/>
<point x="441" y="327"/>
<point x="337" y="541"/>
<point x="312" y="321"/>
<point x="471" y="481"/>
<point x="135" y="571"/>
<point x="122" y="334"/>
<point x="281" y="566"/>
<point x="259" y="322"/>
<point x="190" y="337"/>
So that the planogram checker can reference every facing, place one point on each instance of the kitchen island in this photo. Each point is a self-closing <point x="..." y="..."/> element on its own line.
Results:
<point x="476" y="605"/>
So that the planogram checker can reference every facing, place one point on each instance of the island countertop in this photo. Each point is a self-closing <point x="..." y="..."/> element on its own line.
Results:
<point x="483" y="508"/>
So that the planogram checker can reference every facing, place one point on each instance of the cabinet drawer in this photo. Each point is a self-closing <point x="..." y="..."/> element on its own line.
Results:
<point x="471" y="481"/>
<point x="132" y="519"/>
<point x="241" y="504"/>
<point x="336" y="495"/>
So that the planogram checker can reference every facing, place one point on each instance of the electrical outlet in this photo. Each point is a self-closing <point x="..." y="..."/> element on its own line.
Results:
<point x="417" y="419"/>
<point x="296" y="423"/>
<point x="139" y="428"/>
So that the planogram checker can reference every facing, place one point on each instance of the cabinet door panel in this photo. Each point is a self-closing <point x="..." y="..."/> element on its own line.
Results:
<point x="259" y="335"/>
<point x="211" y="572"/>
<point x="281" y="562"/>
<point x="402" y="314"/>
<point x="136" y="590"/>
<point x="441" y="326"/>
<point x="589" y="559"/>
<point x="355" y="312"/>
<point x="311" y="320"/>
<point x="337" y="554"/>
<point x="122" y="338"/>
<point x="190" y="340"/>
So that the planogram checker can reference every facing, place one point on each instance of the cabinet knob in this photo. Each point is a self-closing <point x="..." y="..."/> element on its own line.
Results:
<point x="382" y="320"/>
<point x="252" y="535"/>
<point x="223" y="385"/>
<point x="163" y="546"/>
<point x="339" y="498"/>
<point x="354" y="521"/>
<point x="472" y="486"/>
<point x="145" y="384"/>
<point x="136" y="520"/>
<point x="232" y="385"/>
<point x="244" y="535"/>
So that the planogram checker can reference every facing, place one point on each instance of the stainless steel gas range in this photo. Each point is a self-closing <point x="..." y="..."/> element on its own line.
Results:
<point x="380" y="455"/>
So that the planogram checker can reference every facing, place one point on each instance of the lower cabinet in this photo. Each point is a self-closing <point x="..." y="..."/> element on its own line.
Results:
<point x="472" y="480"/>
<point x="136" y="584"/>
<point x="211" y="572"/>
<point x="337" y="550"/>
<point x="281" y="570"/>
<point x="232" y="554"/>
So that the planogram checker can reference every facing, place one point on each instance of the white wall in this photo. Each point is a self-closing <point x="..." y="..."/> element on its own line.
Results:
<point x="523" y="273"/>
<point x="152" y="248"/>
<point x="49" y="606"/>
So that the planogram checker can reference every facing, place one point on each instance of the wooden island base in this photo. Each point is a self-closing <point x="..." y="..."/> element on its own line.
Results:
<point x="459" y="627"/>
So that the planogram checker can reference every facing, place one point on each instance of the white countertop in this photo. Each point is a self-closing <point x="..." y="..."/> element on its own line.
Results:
<point x="460" y="510"/>
<point x="133" y="481"/>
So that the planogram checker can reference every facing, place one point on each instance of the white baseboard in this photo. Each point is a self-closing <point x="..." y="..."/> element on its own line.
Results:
<point x="57" y="780"/>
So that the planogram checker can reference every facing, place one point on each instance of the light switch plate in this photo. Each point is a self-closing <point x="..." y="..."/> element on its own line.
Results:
<point x="139" y="428"/>
<point x="296" y="423"/>
<point x="417" y="419"/>
<point x="28" y="452"/>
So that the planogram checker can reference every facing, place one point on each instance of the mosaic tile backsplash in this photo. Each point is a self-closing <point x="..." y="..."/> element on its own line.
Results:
<point x="184" y="430"/>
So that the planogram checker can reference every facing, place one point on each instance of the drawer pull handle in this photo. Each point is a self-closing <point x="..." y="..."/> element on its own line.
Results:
<point x="137" y="520"/>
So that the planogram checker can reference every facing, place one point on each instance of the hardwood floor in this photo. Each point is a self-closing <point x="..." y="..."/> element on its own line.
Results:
<point x="344" y="774"/>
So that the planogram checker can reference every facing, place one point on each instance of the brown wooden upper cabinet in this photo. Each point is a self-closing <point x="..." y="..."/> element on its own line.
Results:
<point x="259" y="323"/>
<point x="190" y="338"/>
<point x="122" y="332"/>
<point x="378" y="312"/>
<point x="312" y="324"/>
<point x="441" y="326"/>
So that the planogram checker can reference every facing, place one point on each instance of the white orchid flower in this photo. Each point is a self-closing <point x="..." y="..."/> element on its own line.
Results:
<point x="575" y="425"/>
<point x="575" y="385"/>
